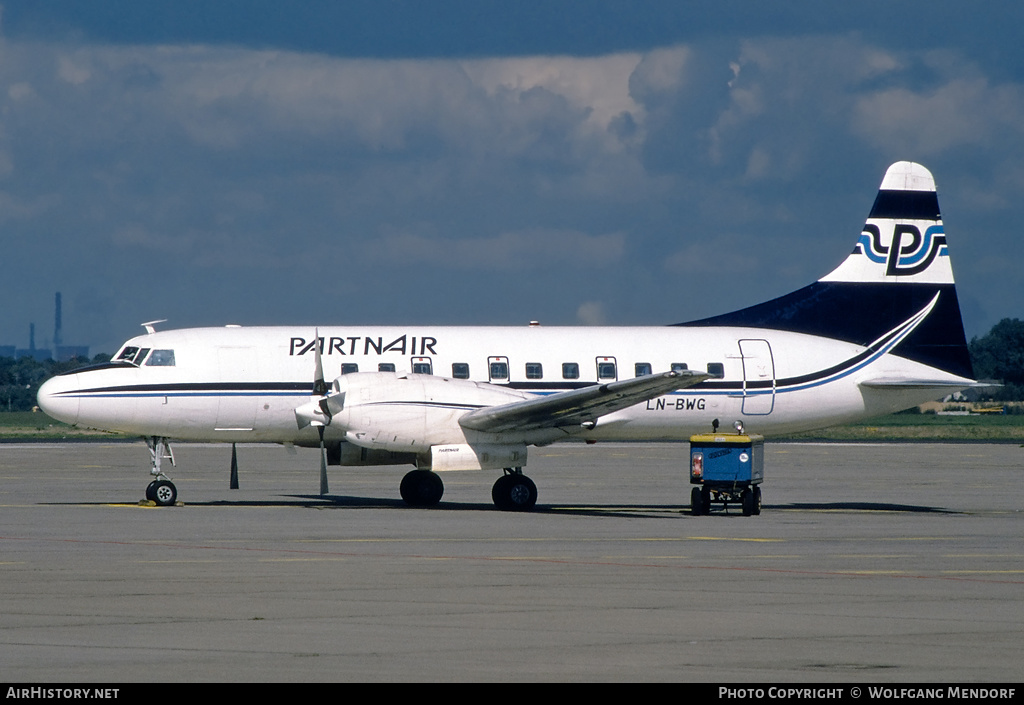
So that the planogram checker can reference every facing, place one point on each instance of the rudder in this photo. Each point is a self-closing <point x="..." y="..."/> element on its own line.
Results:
<point x="899" y="263"/>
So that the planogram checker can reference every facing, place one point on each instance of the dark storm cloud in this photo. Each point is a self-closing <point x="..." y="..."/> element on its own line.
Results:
<point x="211" y="173"/>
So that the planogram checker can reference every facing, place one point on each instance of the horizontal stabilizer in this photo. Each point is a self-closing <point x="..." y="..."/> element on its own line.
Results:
<point x="891" y="383"/>
<point x="577" y="406"/>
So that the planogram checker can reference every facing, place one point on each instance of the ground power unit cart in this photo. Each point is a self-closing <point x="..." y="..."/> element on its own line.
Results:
<point x="726" y="469"/>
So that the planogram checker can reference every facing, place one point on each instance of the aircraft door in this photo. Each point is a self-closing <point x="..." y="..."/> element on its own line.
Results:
<point x="236" y="410"/>
<point x="758" y="377"/>
<point x="497" y="370"/>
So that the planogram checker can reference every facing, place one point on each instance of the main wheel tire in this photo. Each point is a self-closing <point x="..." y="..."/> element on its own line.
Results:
<point x="151" y="491"/>
<point x="165" y="494"/>
<point x="515" y="493"/>
<point x="421" y="488"/>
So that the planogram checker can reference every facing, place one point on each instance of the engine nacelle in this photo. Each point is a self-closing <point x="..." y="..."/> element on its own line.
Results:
<point x="411" y="413"/>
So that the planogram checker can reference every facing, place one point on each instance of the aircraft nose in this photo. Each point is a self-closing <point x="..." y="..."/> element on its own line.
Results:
<point x="59" y="399"/>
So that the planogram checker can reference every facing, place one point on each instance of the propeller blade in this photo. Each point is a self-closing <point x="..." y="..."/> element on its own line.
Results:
<point x="319" y="385"/>
<point x="323" y="462"/>
<point x="332" y="404"/>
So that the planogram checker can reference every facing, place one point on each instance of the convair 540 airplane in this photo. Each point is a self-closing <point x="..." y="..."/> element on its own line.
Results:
<point x="881" y="333"/>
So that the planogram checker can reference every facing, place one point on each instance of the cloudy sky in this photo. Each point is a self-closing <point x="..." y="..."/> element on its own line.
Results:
<point x="573" y="162"/>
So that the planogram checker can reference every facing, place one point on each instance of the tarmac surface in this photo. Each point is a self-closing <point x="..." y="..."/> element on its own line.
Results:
<point x="868" y="563"/>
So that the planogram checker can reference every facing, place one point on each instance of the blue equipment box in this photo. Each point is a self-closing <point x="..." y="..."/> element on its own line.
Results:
<point x="720" y="460"/>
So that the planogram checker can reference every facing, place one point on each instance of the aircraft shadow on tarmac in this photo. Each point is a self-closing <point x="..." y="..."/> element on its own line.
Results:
<point x="862" y="507"/>
<point x="588" y="509"/>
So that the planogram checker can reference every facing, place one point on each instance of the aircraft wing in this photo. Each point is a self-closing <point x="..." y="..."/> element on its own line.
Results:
<point x="577" y="406"/>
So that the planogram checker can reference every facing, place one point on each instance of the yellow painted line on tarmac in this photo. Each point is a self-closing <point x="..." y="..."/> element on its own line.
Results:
<point x="726" y="538"/>
<point x="316" y="559"/>
<point x="179" y="562"/>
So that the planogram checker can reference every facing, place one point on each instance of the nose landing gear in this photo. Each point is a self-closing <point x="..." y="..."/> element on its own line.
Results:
<point x="161" y="491"/>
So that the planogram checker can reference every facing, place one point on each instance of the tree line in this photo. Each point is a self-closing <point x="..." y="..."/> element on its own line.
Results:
<point x="998" y="355"/>
<point x="20" y="378"/>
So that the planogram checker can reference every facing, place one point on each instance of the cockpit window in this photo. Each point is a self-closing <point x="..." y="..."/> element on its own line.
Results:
<point x="128" y="354"/>
<point x="133" y="355"/>
<point x="161" y="358"/>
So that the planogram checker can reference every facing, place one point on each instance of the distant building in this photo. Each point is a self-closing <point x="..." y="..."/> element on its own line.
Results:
<point x="64" y="353"/>
<point x="40" y="354"/>
<point x="69" y="352"/>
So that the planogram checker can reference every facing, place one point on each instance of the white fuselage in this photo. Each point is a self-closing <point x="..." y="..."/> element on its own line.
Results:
<point x="239" y="384"/>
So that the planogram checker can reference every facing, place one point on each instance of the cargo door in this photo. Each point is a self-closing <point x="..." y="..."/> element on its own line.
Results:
<point x="758" y="377"/>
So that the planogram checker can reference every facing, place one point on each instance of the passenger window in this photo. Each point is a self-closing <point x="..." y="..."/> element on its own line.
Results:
<point x="348" y="368"/>
<point x="570" y="370"/>
<point x="386" y="367"/>
<point x="534" y="370"/>
<point x="642" y="369"/>
<point x="460" y="370"/>
<point x="716" y="370"/>
<point x="679" y="366"/>
<point x="161" y="358"/>
<point x="422" y="366"/>
<point x="499" y="370"/>
<point x="606" y="368"/>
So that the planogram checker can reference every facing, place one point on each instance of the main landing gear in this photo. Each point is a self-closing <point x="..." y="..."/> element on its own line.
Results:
<point x="161" y="490"/>
<point x="513" y="491"/>
<point x="421" y="488"/>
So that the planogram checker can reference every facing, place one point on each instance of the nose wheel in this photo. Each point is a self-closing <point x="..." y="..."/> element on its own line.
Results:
<point x="162" y="492"/>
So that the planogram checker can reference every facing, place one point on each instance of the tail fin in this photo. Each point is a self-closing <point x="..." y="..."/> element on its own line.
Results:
<point x="899" y="264"/>
<point x="903" y="240"/>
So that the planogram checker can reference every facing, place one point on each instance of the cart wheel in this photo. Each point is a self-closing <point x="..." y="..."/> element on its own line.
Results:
<point x="697" y="506"/>
<point x="748" y="502"/>
<point x="757" y="499"/>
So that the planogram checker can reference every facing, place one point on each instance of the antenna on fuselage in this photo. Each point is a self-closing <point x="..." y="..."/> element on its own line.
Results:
<point x="150" y="325"/>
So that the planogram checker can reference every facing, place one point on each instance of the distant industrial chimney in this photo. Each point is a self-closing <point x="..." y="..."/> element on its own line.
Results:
<point x="56" y="324"/>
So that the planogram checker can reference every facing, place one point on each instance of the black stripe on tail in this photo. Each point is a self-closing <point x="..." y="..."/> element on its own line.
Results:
<point x="861" y="312"/>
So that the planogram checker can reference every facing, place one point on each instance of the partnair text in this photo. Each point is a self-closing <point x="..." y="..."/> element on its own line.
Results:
<point x="366" y="345"/>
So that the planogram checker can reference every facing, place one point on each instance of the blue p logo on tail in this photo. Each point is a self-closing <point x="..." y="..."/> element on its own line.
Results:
<point x="903" y="239"/>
